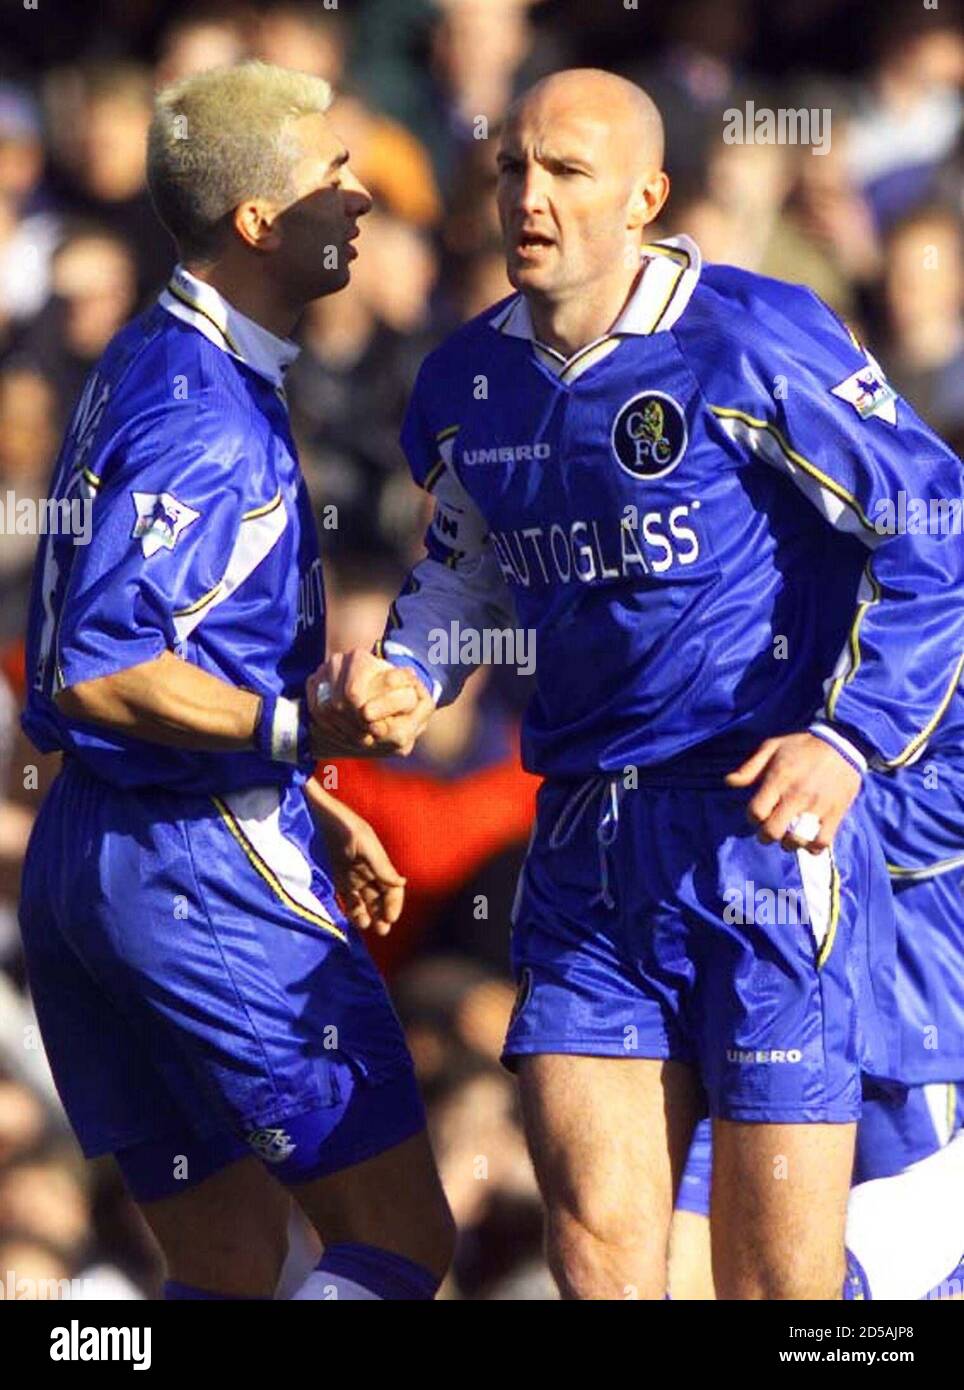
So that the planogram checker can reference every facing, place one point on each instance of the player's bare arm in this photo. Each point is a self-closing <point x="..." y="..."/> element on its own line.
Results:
<point x="176" y="704"/>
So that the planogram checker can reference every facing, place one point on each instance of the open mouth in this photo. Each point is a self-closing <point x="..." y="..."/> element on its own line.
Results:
<point x="532" y="241"/>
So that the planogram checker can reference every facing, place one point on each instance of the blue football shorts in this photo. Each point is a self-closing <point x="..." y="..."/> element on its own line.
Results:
<point x="652" y="923"/>
<point x="200" y="995"/>
<point x="892" y="1136"/>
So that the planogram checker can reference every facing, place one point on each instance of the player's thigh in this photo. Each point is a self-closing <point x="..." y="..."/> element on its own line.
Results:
<point x="227" y="1234"/>
<point x="393" y="1200"/>
<point x="608" y="1138"/>
<point x="779" y="1208"/>
<point x="690" y="1257"/>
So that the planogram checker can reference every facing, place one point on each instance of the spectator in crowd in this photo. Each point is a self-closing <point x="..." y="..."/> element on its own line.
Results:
<point x="98" y="117"/>
<point x="361" y="350"/>
<point x="924" y="297"/>
<point x="93" y="294"/>
<point x="28" y="229"/>
<point x="205" y="37"/>
<point x="388" y="159"/>
<point x="30" y="416"/>
<point x="909" y="113"/>
<point x="455" y="1013"/>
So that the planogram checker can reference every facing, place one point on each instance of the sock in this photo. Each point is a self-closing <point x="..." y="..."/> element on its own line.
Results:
<point x="173" y="1290"/>
<point x="359" y="1273"/>
<point x="907" y="1231"/>
<point x="856" y="1284"/>
<point x="304" y="1252"/>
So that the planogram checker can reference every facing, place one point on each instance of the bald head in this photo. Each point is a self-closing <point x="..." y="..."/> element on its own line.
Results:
<point x="634" y="125"/>
<point x="580" y="179"/>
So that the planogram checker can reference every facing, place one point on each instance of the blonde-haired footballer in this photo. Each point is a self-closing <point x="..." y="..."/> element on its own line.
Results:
<point x="211" y="1015"/>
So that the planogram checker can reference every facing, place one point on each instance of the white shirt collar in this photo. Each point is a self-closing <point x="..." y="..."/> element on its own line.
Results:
<point x="671" y="270"/>
<point x="201" y="305"/>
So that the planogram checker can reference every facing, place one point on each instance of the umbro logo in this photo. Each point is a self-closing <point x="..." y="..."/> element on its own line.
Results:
<point x="271" y="1145"/>
<point x="507" y="453"/>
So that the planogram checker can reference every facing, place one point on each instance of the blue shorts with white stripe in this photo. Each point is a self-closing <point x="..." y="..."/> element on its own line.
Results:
<point x="194" y="978"/>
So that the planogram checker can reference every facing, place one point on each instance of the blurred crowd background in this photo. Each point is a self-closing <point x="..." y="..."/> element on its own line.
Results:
<point x="874" y="226"/>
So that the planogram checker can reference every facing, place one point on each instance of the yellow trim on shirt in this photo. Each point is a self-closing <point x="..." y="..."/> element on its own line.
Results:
<point x="433" y="475"/>
<point x="673" y="253"/>
<point x="854" y="641"/>
<point x="725" y="413"/>
<point x="263" y="511"/>
<point x="202" y="602"/>
<point x="919" y="739"/>
<point x="186" y="299"/>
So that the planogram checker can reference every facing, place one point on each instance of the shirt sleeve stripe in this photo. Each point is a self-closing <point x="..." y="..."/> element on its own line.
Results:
<point x="760" y="429"/>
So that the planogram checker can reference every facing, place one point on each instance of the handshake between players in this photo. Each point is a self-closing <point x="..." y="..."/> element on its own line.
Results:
<point x="361" y="705"/>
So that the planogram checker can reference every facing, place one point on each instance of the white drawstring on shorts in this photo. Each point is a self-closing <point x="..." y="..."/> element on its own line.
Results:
<point x="610" y="788"/>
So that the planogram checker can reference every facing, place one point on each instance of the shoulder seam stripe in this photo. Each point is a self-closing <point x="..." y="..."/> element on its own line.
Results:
<point x="839" y="491"/>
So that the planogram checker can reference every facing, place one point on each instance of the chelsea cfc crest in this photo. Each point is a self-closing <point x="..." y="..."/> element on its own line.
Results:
<point x="649" y="435"/>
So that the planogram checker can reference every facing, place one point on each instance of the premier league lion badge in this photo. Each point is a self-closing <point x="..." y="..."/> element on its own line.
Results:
<point x="160" y="520"/>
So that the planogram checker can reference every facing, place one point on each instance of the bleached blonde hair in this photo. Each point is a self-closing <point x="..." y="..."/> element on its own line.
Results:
<point x="219" y="137"/>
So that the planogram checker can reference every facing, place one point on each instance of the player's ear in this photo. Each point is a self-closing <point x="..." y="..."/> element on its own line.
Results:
<point x="256" y="223"/>
<point x="649" y="198"/>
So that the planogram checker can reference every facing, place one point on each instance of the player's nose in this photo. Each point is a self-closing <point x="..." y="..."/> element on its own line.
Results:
<point x="532" y="189"/>
<point x="358" y="200"/>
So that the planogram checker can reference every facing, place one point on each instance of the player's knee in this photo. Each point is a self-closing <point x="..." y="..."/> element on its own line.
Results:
<point x="799" y="1273"/>
<point x="419" y="1226"/>
<point x="599" y="1250"/>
